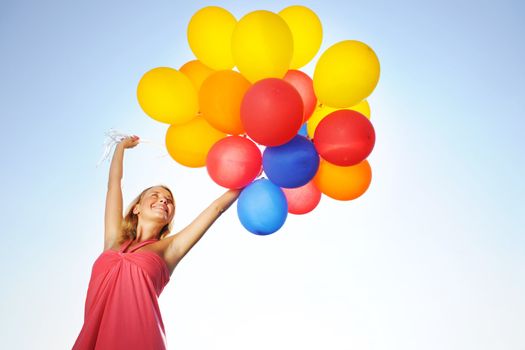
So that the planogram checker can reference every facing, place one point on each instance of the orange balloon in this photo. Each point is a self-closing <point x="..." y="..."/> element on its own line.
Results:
<point x="220" y="100"/>
<point x="343" y="183"/>
<point x="188" y="144"/>
<point x="197" y="72"/>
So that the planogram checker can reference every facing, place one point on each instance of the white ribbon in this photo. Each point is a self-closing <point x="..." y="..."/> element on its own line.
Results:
<point x="113" y="137"/>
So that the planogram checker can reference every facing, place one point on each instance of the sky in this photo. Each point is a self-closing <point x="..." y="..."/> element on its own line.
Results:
<point x="432" y="256"/>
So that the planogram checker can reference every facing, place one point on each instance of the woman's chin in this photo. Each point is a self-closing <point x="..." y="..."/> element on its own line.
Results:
<point x="158" y="217"/>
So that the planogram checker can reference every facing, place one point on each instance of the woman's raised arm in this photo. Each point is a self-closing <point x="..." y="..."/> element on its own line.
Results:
<point x="113" y="211"/>
<point x="183" y="241"/>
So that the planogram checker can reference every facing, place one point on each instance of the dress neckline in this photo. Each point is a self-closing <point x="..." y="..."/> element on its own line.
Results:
<point x="126" y="245"/>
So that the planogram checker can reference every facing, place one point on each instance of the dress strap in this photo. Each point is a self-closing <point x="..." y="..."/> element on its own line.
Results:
<point x="141" y="244"/>
<point x="125" y="246"/>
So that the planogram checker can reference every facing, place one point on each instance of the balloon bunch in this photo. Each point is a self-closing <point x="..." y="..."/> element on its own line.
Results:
<point x="316" y="132"/>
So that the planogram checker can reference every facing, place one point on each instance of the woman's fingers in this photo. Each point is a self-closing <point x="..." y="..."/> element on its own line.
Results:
<point x="130" y="141"/>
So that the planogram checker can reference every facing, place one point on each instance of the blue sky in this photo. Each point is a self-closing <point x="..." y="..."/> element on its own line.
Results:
<point x="431" y="257"/>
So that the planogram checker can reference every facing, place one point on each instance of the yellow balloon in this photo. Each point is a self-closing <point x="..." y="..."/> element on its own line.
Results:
<point x="220" y="99"/>
<point x="322" y="111"/>
<point x="167" y="95"/>
<point x="346" y="74"/>
<point x="307" y="33"/>
<point x="188" y="144"/>
<point x="197" y="72"/>
<point x="343" y="183"/>
<point x="209" y="35"/>
<point x="262" y="45"/>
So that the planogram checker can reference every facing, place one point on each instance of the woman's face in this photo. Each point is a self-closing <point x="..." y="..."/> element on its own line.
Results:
<point x="157" y="204"/>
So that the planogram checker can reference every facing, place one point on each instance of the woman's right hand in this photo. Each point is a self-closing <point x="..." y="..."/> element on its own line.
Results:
<point x="129" y="142"/>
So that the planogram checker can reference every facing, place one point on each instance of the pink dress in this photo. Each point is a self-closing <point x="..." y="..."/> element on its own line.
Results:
<point x="121" y="310"/>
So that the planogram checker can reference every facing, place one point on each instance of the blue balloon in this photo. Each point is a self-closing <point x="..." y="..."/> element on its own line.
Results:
<point x="303" y="131"/>
<point x="262" y="207"/>
<point x="293" y="164"/>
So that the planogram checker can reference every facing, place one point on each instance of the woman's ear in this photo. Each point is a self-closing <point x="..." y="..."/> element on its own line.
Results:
<point x="136" y="210"/>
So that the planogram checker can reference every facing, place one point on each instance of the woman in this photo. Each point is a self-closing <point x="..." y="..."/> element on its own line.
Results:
<point x="121" y="309"/>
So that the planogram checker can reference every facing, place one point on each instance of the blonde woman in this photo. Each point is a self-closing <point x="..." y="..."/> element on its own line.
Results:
<point x="121" y="310"/>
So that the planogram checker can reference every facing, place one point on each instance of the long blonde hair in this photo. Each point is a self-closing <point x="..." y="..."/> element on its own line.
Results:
<point x="131" y="220"/>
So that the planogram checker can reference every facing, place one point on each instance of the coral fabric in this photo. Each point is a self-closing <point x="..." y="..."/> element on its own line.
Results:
<point x="122" y="310"/>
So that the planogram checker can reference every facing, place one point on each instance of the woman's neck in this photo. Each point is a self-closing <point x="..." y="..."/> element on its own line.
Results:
<point x="147" y="231"/>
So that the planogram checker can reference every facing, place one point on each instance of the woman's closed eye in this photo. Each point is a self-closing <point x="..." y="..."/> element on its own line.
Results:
<point x="168" y="200"/>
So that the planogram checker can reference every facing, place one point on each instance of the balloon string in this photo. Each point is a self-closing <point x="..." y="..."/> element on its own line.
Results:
<point x="152" y="142"/>
<point x="156" y="144"/>
<point x="113" y="137"/>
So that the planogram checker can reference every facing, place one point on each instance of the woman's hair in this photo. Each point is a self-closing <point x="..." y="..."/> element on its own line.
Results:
<point x="131" y="220"/>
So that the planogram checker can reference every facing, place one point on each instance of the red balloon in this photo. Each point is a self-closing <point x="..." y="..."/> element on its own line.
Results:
<point x="344" y="137"/>
<point x="234" y="162"/>
<point x="305" y="87"/>
<point x="302" y="200"/>
<point x="272" y="112"/>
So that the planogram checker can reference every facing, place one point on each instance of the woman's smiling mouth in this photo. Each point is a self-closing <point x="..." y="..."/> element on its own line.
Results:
<point x="164" y="209"/>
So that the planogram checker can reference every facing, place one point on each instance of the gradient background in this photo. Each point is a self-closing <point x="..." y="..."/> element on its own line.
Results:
<point x="431" y="257"/>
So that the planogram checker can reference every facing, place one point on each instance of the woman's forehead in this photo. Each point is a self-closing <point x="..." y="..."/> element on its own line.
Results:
<point x="159" y="190"/>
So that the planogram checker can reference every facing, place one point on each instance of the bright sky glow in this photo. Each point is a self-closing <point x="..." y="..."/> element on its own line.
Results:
<point x="431" y="257"/>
